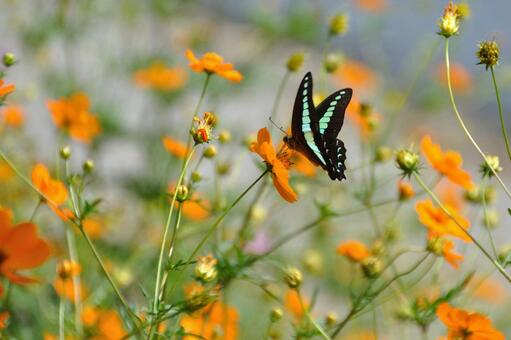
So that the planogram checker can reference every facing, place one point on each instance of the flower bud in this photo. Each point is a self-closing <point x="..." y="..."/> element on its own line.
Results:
<point x="504" y="254"/>
<point x="224" y="137"/>
<point x="449" y="23"/>
<point x="66" y="269"/>
<point x="210" y="151"/>
<point x="436" y="245"/>
<point x="331" y="319"/>
<point x="491" y="218"/>
<point x="293" y="277"/>
<point x="9" y="59"/>
<point x="488" y="53"/>
<point x="490" y="166"/>
<point x="181" y="193"/>
<point x="205" y="268"/>
<point x="295" y="62"/>
<point x="223" y="169"/>
<point x="258" y="213"/>
<point x="196" y="176"/>
<point x="312" y="260"/>
<point x="378" y="248"/>
<point x="407" y="161"/>
<point x="276" y="314"/>
<point x="339" y="24"/>
<point x="332" y="62"/>
<point x="383" y="154"/>
<point x="372" y="267"/>
<point x="88" y="166"/>
<point x="405" y="190"/>
<point x="199" y="300"/>
<point x="65" y="152"/>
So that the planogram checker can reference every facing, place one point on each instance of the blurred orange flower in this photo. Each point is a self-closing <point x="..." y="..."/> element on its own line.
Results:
<point x="450" y="195"/>
<point x="4" y="316"/>
<point x="160" y="77"/>
<point x="301" y="164"/>
<point x="104" y="324"/>
<point x="365" y="119"/>
<point x="6" y="89"/>
<point x="63" y="284"/>
<point x="372" y="5"/>
<point x="20" y="248"/>
<point x="93" y="228"/>
<point x="196" y="209"/>
<point x="445" y="249"/>
<point x="13" y="115"/>
<point x="293" y="305"/>
<point x="438" y="222"/>
<point x="53" y="189"/>
<point x="405" y="190"/>
<point x="489" y="290"/>
<point x="356" y="75"/>
<point x="354" y="250"/>
<point x="210" y="320"/>
<point x="277" y="163"/>
<point x="461" y="79"/>
<point x="6" y="172"/>
<point x="447" y="163"/>
<point x="174" y="147"/>
<point x="72" y="114"/>
<point x="466" y="325"/>
<point x="213" y="63"/>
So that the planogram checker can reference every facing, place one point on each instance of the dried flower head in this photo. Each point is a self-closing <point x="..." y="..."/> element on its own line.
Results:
<point x="488" y="53"/>
<point x="449" y="23"/>
<point x="295" y="62"/>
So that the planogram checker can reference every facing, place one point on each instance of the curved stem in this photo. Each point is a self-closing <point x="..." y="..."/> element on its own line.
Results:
<point x="448" y="213"/>
<point x="462" y="123"/>
<point x="501" y="115"/>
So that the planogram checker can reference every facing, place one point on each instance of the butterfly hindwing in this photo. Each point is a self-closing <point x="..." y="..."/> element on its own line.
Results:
<point x="304" y="125"/>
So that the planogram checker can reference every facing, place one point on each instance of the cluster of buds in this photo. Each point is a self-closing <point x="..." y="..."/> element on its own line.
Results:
<point x="449" y="23"/>
<point x="295" y="62"/>
<point x="205" y="268"/>
<point x="201" y="131"/>
<point x="488" y="53"/>
<point x="491" y="166"/>
<point x="407" y="161"/>
<point x="338" y="24"/>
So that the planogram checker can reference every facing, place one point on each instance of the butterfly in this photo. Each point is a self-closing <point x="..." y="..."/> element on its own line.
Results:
<point x="314" y="130"/>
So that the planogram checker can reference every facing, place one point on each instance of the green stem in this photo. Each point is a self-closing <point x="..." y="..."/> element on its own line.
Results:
<point x="501" y="115"/>
<point x="36" y="209"/>
<point x="448" y="213"/>
<point x="462" y="123"/>
<point x="61" y="318"/>
<point x="311" y="319"/>
<point x="248" y="214"/>
<point x="486" y="224"/>
<point x="275" y="106"/>
<point x="73" y="255"/>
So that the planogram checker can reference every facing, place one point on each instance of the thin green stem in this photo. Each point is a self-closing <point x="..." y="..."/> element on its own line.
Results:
<point x="62" y="316"/>
<point x="486" y="222"/>
<point x="462" y="123"/>
<point x="448" y="213"/>
<point x="36" y="209"/>
<point x="501" y="115"/>
<point x="73" y="255"/>
<point x="276" y="102"/>
<point x="311" y="319"/>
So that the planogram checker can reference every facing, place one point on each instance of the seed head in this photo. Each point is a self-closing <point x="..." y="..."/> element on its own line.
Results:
<point x="488" y="53"/>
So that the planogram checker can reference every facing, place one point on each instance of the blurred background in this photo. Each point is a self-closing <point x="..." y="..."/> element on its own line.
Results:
<point x="99" y="46"/>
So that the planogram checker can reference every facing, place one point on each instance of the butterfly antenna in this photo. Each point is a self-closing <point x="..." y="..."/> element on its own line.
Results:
<point x="278" y="127"/>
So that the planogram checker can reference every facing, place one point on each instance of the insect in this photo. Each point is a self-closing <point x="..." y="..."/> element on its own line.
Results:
<point x="314" y="130"/>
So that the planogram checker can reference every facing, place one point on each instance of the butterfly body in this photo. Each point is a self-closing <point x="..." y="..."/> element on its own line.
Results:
<point x="314" y="130"/>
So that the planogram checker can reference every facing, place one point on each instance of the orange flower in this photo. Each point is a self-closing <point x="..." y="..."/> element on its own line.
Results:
<point x="301" y="164"/>
<point x="213" y="63"/>
<point x="354" y="250"/>
<point x="174" y="147"/>
<point x="63" y="284"/>
<point x="5" y="90"/>
<point x="489" y="290"/>
<point x="105" y="324"/>
<point x="466" y="325"/>
<point x="277" y="163"/>
<point x="4" y="316"/>
<point x="405" y="190"/>
<point x="450" y="195"/>
<point x="13" y="115"/>
<point x="210" y="320"/>
<point x="444" y="247"/>
<point x="372" y="5"/>
<point x="6" y="172"/>
<point x="54" y="190"/>
<point x="438" y="222"/>
<point x="93" y="228"/>
<point x="20" y="248"/>
<point x="461" y="79"/>
<point x="196" y="209"/>
<point x="293" y="305"/>
<point x="72" y="114"/>
<point x="447" y="163"/>
<point x="356" y="75"/>
<point x="160" y="77"/>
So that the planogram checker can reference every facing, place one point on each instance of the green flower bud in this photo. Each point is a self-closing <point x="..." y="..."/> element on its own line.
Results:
<point x="276" y="314"/>
<point x="332" y="62"/>
<point x="181" y="193"/>
<point x="205" y="268"/>
<point x="339" y="24"/>
<point x="331" y="319"/>
<point x="224" y="137"/>
<point x="210" y="151"/>
<point x="372" y="267"/>
<point x="492" y="164"/>
<point x="9" y="59"/>
<point x="407" y="161"/>
<point x="383" y="154"/>
<point x="295" y="62"/>
<point x="491" y="218"/>
<point x="88" y="166"/>
<point x="65" y="152"/>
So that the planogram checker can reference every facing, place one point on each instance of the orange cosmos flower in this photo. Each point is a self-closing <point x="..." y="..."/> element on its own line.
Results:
<point x="6" y="89"/>
<point x="13" y="116"/>
<point x="445" y="248"/>
<point x="354" y="250"/>
<point x="489" y="290"/>
<point x="159" y="77"/>
<point x="20" y="248"/>
<point x="209" y="320"/>
<point x="461" y="79"/>
<point x="72" y="114"/>
<point x="293" y="305"/>
<point x="196" y="209"/>
<point x="63" y="284"/>
<point x="52" y="189"/>
<point x="174" y="147"/>
<point x="277" y="163"/>
<point x="438" y="222"/>
<point x="372" y="5"/>
<point x="105" y="324"/>
<point x="447" y="163"/>
<point x="466" y="325"/>
<point x="356" y="75"/>
<point x="405" y="190"/>
<point x="93" y="228"/>
<point x="213" y="63"/>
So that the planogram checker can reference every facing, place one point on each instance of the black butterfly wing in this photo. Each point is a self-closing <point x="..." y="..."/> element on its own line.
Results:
<point x="330" y="115"/>
<point x="304" y="125"/>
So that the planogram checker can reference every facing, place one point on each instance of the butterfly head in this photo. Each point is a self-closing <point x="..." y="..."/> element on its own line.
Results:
<point x="289" y="141"/>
